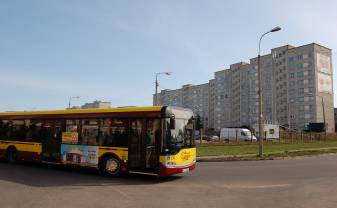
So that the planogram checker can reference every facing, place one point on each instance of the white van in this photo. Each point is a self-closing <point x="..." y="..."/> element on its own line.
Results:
<point x="241" y="134"/>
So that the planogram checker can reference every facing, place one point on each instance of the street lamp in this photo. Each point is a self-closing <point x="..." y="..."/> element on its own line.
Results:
<point x="157" y="84"/>
<point x="275" y="29"/>
<point x="70" y="98"/>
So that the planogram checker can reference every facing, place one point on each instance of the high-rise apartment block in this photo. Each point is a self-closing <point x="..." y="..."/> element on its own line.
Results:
<point x="296" y="90"/>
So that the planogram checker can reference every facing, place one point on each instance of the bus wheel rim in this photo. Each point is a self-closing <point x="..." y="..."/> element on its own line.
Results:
<point x="112" y="165"/>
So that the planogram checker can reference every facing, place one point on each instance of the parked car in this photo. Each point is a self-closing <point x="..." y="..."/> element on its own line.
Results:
<point x="215" y="138"/>
<point x="211" y="138"/>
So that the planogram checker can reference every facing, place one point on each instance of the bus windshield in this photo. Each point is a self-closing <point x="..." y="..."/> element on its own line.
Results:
<point x="180" y="137"/>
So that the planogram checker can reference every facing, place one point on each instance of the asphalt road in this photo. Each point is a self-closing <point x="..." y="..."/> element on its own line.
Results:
<point x="302" y="182"/>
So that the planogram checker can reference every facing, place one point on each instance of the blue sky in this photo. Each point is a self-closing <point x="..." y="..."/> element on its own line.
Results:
<point x="111" y="50"/>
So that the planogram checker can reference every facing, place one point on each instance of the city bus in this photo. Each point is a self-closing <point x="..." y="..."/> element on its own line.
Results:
<point x="156" y="140"/>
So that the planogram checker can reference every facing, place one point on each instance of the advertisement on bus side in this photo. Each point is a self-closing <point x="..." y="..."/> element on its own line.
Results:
<point x="79" y="155"/>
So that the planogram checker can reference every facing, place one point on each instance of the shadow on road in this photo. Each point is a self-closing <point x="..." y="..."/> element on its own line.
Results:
<point x="43" y="175"/>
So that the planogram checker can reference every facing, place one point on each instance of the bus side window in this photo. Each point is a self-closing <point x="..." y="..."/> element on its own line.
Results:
<point x="18" y="130"/>
<point x="89" y="134"/>
<point x="47" y="130"/>
<point x="153" y="131"/>
<point x="33" y="132"/>
<point x="105" y="135"/>
<point x="3" y="129"/>
<point x="6" y="129"/>
<point x="120" y="132"/>
<point x="72" y="126"/>
<point x="114" y="133"/>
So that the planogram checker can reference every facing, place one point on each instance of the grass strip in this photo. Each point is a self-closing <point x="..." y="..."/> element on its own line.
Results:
<point x="270" y="149"/>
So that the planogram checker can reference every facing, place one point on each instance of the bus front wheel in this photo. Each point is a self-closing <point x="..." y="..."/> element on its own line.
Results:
<point x="11" y="155"/>
<point x="110" y="166"/>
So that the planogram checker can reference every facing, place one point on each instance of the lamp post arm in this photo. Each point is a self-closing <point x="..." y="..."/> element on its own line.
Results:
<point x="261" y="40"/>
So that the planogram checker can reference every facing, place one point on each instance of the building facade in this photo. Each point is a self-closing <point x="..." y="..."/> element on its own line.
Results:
<point x="96" y="104"/>
<point x="296" y="90"/>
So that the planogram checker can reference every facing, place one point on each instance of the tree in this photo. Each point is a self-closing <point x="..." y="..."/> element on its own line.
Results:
<point x="198" y="123"/>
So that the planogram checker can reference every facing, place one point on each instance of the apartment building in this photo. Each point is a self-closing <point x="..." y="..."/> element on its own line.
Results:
<point x="96" y="104"/>
<point x="195" y="97"/>
<point x="296" y="87"/>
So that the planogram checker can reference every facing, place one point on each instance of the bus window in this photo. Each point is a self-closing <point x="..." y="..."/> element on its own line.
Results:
<point x="89" y="134"/>
<point x="153" y="132"/>
<point x="46" y="130"/>
<point x="18" y="130"/>
<point x="120" y="132"/>
<point x="181" y="136"/>
<point x="114" y="133"/>
<point x="5" y="131"/>
<point x="105" y="133"/>
<point x="72" y="125"/>
<point x="33" y="133"/>
<point x="71" y="132"/>
<point x="2" y="130"/>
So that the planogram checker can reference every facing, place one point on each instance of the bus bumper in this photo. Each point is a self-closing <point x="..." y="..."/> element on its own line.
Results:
<point x="170" y="170"/>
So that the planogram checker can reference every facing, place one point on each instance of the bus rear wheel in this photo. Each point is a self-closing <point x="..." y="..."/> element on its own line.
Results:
<point x="11" y="155"/>
<point x="110" y="166"/>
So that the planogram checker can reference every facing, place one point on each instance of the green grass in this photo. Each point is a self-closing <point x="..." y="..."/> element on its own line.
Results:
<point x="270" y="149"/>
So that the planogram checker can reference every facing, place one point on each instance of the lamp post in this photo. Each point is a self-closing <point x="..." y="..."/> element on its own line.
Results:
<point x="70" y="98"/>
<point x="157" y="84"/>
<point x="260" y="91"/>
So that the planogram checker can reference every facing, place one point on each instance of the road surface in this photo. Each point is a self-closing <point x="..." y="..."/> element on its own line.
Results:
<point x="302" y="182"/>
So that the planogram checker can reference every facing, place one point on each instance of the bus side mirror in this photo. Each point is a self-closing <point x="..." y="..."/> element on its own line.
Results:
<point x="172" y="123"/>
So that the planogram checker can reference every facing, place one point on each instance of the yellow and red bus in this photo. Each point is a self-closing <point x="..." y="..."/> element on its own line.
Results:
<point x="152" y="140"/>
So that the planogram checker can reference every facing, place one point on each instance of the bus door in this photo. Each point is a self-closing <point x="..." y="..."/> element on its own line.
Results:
<point x="51" y="133"/>
<point x="143" y="146"/>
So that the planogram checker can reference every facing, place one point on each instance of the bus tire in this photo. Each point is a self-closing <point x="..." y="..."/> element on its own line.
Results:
<point x="11" y="155"/>
<point x="110" y="166"/>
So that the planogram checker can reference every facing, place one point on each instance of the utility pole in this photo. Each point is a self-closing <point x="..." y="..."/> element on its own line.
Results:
<point x="70" y="98"/>
<point x="157" y="84"/>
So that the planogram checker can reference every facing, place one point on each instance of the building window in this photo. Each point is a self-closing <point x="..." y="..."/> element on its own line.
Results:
<point x="300" y="74"/>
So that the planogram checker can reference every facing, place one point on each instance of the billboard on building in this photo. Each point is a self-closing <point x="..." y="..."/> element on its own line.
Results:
<point x="323" y="63"/>
<point x="324" y="83"/>
<point x="324" y="73"/>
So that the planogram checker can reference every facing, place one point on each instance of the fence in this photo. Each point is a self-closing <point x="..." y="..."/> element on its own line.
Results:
<point x="295" y="137"/>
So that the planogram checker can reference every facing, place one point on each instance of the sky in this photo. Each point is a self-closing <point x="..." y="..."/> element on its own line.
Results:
<point x="111" y="50"/>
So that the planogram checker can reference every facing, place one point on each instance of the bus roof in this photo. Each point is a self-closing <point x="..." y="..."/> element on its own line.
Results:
<point x="67" y="113"/>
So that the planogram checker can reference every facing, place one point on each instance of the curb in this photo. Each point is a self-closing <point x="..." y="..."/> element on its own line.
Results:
<point x="233" y="158"/>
